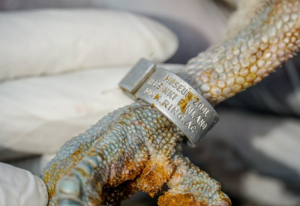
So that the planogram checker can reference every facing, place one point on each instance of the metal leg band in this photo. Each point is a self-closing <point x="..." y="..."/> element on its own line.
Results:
<point x="172" y="96"/>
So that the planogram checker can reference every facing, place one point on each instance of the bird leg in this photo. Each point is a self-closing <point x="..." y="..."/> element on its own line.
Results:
<point x="136" y="148"/>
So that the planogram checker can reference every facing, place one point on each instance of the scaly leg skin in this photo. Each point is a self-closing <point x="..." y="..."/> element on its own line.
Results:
<point x="244" y="59"/>
<point x="137" y="149"/>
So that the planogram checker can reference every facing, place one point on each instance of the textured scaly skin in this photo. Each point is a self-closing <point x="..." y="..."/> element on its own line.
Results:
<point x="136" y="148"/>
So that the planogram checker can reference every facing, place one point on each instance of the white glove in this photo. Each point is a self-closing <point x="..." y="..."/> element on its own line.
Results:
<point x="33" y="110"/>
<point x="42" y="42"/>
<point x="19" y="187"/>
<point x="57" y="41"/>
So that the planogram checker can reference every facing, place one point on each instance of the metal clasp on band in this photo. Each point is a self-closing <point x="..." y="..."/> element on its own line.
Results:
<point x="172" y="96"/>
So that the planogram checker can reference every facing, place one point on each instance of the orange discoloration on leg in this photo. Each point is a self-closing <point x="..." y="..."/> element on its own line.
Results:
<point x="130" y="171"/>
<point x="188" y="200"/>
<point x="156" y="173"/>
<point x="52" y="177"/>
<point x="179" y="199"/>
<point x="224" y="198"/>
<point x="49" y="177"/>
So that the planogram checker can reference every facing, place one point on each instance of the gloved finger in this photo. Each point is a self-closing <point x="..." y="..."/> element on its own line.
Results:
<point x="19" y="187"/>
<point x="56" y="41"/>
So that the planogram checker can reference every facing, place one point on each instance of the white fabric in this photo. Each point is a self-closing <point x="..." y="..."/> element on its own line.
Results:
<point x="38" y="115"/>
<point x="54" y="41"/>
<point x="19" y="187"/>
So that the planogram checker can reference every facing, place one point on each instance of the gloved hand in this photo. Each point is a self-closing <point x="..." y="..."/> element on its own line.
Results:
<point x="19" y="187"/>
<point x="31" y="107"/>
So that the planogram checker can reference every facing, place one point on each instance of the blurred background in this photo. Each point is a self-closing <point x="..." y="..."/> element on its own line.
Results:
<point x="61" y="61"/>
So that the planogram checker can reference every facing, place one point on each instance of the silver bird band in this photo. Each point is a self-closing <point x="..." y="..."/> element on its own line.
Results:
<point x="173" y="97"/>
